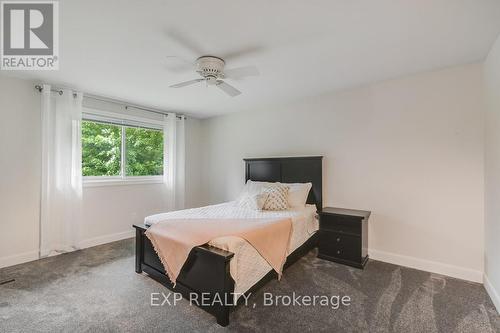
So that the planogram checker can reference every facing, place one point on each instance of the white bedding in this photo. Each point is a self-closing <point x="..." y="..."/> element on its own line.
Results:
<point x="247" y="266"/>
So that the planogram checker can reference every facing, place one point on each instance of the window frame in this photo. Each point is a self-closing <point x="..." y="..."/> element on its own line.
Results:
<point x="122" y="120"/>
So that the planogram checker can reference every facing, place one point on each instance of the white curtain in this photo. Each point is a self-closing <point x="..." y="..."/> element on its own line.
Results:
<point x="174" y="160"/>
<point x="61" y="192"/>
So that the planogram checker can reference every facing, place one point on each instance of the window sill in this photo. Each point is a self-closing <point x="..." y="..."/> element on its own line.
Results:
<point x="96" y="181"/>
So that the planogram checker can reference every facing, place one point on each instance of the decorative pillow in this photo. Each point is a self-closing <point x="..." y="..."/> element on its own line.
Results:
<point x="255" y="202"/>
<point x="252" y="188"/>
<point x="278" y="197"/>
<point x="297" y="194"/>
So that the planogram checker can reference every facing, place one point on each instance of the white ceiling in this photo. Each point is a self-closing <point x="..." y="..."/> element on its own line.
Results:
<point x="302" y="48"/>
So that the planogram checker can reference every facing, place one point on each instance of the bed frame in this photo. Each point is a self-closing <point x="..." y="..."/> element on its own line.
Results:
<point x="207" y="268"/>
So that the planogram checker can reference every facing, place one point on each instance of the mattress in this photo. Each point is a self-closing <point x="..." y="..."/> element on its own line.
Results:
<point x="247" y="266"/>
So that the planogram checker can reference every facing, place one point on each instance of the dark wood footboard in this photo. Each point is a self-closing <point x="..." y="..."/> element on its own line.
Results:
<point x="206" y="272"/>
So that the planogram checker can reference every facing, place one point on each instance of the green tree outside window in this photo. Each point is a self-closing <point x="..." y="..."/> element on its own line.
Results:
<point x="102" y="150"/>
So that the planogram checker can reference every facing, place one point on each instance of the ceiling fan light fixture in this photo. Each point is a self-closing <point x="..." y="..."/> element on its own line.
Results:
<point x="211" y="80"/>
<point x="210" y="66"/>
<point x="211" y="70"/>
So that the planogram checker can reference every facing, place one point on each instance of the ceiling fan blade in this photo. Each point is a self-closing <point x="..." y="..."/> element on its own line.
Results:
<point x="195" y="49"/>
<point x="240" y="72"/>
<point x="186" y="83"/>
<point x="241" y="53"/>
<point x="228" y="89"/>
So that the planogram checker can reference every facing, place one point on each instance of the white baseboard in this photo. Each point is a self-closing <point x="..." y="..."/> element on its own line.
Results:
<point x="427" y="265"/>
<point x="33" y="255"/>
<point x="107" y="239"/>
<point x="18" y="258"/>
<point x="494" y="295"/>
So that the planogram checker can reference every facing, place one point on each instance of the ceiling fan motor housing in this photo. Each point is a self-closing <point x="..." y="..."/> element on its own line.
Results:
<point x="211" y="68"/>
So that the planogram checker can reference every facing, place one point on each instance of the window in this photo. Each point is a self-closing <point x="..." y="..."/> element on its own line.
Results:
<point x="121" y="152"/>
<point x="143" y="151"/>
<point x="101" y="149"/>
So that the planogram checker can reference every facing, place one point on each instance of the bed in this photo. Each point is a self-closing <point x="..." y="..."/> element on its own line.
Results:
<point x="226" y="267"/>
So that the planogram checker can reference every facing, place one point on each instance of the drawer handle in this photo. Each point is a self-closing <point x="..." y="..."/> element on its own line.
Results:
<point x="338" y="251"/>
<point x="338" y="239"/>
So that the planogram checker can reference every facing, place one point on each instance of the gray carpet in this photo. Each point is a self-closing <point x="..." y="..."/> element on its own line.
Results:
<point x="97" y="290"/>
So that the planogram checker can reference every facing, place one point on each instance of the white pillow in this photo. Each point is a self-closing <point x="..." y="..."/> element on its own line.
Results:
<point x="252" y="188"/>
<point x="255" y="201"/>
<point x="297" y="194"/>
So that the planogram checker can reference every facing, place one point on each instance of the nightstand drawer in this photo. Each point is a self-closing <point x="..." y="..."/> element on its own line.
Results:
<point x="342" y="246"/>
<point x="342" y="224"/>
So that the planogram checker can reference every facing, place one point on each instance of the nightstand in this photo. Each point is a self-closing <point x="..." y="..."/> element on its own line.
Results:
<point x="343" y="236"/>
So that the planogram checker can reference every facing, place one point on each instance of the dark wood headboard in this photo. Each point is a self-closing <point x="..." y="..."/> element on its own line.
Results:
<point x="289" y="170"/>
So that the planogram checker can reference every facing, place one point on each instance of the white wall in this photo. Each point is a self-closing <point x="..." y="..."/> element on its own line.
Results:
<point x="492" y="174"/>
<point x="19" y="170"/>
<point x="109" y="211"/>
<point x="410" y="150"/>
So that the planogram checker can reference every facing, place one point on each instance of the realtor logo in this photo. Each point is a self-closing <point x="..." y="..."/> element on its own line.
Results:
<point x="29" y="35"/>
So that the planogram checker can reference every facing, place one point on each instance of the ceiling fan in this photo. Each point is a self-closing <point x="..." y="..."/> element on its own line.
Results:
<point x="210" y="68"/>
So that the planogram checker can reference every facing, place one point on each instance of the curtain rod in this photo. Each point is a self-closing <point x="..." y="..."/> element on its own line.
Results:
<point x="113" y="101"/>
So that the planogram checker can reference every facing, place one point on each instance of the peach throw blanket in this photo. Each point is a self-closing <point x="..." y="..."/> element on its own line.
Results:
<point x="174" y="239"/>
